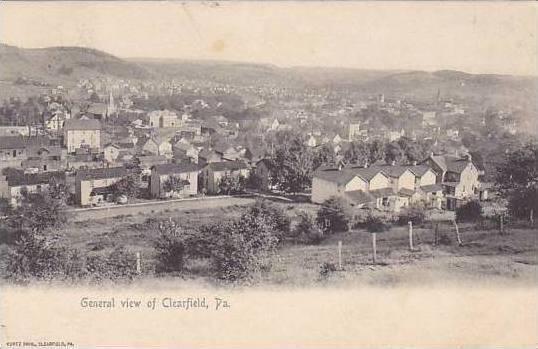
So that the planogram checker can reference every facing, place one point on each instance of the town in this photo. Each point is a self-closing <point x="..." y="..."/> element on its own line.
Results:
<point x="157" y="169"/>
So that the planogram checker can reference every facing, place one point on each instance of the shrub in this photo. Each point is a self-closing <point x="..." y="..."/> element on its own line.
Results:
<point x="326" y="269"/>
<point x="243" y="247"/>
<point x="307" y="229"/>
<point x="413" y="214"/>
<point x="42" y="257"/>
<point x="170" y="247"/>
<point x="275" y="216"/>
<point x="375" y="224"/>
<point x="118" y="264"/>
<point x="469" y="212"/>
<point x="521" y="202"/>
<point x="333" y="216"/>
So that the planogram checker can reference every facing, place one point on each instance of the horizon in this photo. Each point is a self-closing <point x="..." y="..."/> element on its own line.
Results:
<point x="230" y="62"/>
<point x="477" y="38"/>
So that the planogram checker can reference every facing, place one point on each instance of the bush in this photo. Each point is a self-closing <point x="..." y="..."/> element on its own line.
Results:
<point x="333" y="216"/>
<point x="375" y="224"/>
<point x="243" y="247"/>
<point x="275" y="216"/>
<point x="42" y="257"/>
<point x="326" y="269"/>
<point x="170" y="248"/>
<point x="469" y="212"/>
<point x="520" y="202"/>
<point x="118" y="264"/>
<point x="308" y="230"/>
<point x="413" y="214"/>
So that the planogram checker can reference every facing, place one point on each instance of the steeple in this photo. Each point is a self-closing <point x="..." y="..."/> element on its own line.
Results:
<point x="111" y="108"/>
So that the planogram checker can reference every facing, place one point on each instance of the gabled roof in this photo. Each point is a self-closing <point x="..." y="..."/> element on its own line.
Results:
<point x="102" y="173"/>
<point x="450" y="163"/>
<point x="12" y="142"/>
<point x="35" y="178"/>
<point x="419" y="170"/>
<point x="227" y="166"/>
<point x="174" y="168"/>
<point x="394" y="171"/>
<point x="78" y="124"/>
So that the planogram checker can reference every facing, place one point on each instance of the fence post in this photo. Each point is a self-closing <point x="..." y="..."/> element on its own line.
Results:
<point x="501" y="221"/>
<point x="457" y="232"/>
<point x="436" y="234"/>
<point x="410" y="235"/>
<point x="138" y="264"/>
<point x="340" y="255"/>
<point x="374" y="247"/>
<point x="531" y="216"/>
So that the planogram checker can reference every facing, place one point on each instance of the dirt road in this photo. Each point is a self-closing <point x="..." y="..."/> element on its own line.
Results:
<point x="208" y="203"/>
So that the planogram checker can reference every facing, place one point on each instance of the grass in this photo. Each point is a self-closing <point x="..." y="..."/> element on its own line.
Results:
<point x="485" y="257"/>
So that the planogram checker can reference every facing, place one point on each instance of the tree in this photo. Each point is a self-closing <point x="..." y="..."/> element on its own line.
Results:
<point x="333" y="215"/>
<point x="308" y="229"/>
<point x="173" y="184"/>
<point x="393" y="152"/>
<point x="128" y="186"/>
<point x="517" y="178"/>
<point x="273" y="214"/>
<point x="229" y="185"/>
<point x="375" y="224"/>
<point x="294" y="163"/>
<point x="170" y="247"/>
<point x="469" y="212"/>
<point x="376" y="151"/>
<point x="38" y="212"/>
<point x="358" y="153"/>
<point x="243" y="247"/>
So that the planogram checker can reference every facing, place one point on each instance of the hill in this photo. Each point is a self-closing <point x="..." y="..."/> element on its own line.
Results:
<point x="63" y="64"/>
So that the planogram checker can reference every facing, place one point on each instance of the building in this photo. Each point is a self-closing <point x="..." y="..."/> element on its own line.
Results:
<point x="157" y="146"/>
<point x="82" y="134"/>
<point x="12" y="151"/>
<point x="98" y="111"/>
<point x="187" y="174"/>
<point x="116" y="152"/>
<point x="44" y="157"/>
<point x="94" y="186"/>
<point x="213" y="172"/>
<point x="163" y="119"/>
<point x="458" y="177"/>
<point x="13" y="187"/>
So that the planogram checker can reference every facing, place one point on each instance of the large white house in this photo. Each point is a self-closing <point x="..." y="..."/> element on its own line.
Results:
<point x="82" y="133"/>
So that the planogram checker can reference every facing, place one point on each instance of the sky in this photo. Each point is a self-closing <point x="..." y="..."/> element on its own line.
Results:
<point x="476" y="37"/>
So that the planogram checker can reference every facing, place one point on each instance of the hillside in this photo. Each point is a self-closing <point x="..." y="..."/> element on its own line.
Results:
<point x="63" y="64"/>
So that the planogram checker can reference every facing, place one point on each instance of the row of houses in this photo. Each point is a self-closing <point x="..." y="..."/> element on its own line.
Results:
<point x="438" y="182"/>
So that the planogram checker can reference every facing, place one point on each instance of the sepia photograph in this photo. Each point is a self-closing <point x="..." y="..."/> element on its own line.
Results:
<point x="244" y="174"/>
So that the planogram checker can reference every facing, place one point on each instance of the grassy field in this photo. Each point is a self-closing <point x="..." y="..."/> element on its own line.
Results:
<point x="486" y="256"/>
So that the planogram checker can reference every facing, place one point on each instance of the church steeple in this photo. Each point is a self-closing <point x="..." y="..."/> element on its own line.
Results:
<point x="111" y="108"/>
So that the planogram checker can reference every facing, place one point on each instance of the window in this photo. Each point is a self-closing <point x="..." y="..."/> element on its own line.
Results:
<point x="14" y="153"/>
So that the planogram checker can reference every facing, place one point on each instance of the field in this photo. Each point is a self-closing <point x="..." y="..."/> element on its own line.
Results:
<point x="485" y="258"/>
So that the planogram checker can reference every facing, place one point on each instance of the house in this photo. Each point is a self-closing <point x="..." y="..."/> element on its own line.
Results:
<point x="163" y="119"/>
<point x="82" y="134"/>
<point x="15" y="130"/>
<point x="44" y="156"/>
<point x="12" y="151"/>
<point x="183" y="150"/>
<point x="94" y="186"/>
<point x="12" y="187"/>
<point x="112" y="152"/>
<point x="157" y="146"/>
<point x="458" y="177"/>
<point x="56" y="121"/>
<point x="98" y="111"/>
<point x="207" y="156"/>
<point x="187" y="174"/>
<point x="214" y="171"/>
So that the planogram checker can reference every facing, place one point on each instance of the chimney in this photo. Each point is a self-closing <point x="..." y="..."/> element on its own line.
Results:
<point x="393" y="163"/>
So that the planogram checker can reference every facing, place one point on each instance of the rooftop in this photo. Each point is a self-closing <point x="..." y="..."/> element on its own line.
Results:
<point x="35" y="178"/>
<point x="90" y="124"/>
<point x="227" y="165"/>
<point x="164" y="169"/>
<point x="102" y="173"/>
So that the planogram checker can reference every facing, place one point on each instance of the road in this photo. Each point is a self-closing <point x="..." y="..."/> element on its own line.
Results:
<point x="157" y="206"/>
